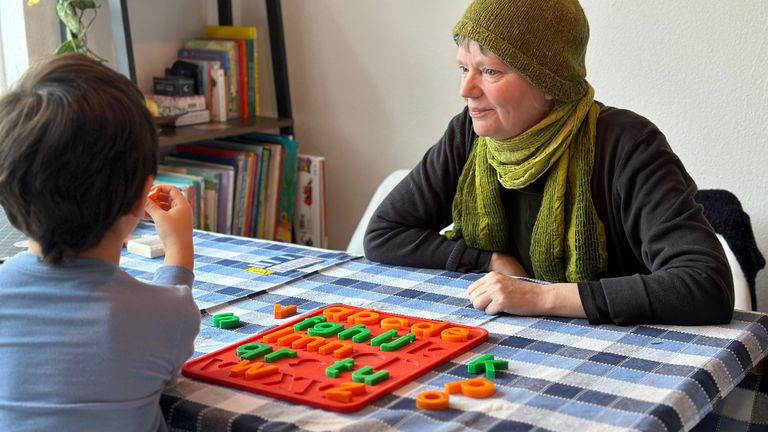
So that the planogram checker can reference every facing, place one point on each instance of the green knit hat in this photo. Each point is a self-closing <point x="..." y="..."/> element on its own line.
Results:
<point x="545" y="41"/>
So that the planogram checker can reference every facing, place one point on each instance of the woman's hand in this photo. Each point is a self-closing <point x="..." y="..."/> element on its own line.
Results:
<point x="495" y="293"/>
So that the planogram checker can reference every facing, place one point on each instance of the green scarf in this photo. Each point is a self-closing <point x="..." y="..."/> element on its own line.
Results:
<point x="568" y="240"/>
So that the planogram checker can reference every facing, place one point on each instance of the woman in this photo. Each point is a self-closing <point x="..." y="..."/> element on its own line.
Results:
<point x="542" y="181"/>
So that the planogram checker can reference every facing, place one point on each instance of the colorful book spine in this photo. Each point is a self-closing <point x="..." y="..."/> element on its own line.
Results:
<point x="230" y="73"/>
<point x="287" y="195"/>
<point x="242" y="61"/>
<point x="237" y="160"/>
<point x="226" y="185"/>
<point x="249" y="35"/>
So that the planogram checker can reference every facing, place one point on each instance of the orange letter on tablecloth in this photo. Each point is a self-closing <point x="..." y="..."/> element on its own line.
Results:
<point x="427" y="329"/>
<point x="284" y="312"/>
<point x="477" y="388"/>
<point x="432" y="401"/>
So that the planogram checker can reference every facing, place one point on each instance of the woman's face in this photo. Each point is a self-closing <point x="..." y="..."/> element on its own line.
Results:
<point x="501" y="102"/>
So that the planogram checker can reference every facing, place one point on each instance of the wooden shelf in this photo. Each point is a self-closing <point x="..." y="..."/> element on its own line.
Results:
<point x="170" y="136"/>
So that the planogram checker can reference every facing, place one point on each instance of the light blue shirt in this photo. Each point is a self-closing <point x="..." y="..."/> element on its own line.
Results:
<point x="85" y="346"/>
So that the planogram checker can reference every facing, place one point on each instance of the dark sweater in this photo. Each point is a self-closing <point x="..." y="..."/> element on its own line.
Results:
<point x="665" y="264"/>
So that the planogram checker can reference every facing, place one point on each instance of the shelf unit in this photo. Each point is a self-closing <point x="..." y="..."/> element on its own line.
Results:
<point x="195" y="133"/>
<point x="170" y="136"/>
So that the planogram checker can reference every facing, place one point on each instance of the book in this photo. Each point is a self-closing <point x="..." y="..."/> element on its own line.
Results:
<point x="212" y="179"/>
<point x="230" y="74"/>
<point x="253" y="154"/>
<point x="263" y="189"/>
<point x="191" y="186"/>
<point x="215" y="96"/>
<point x="239" y="160"/>
<point x="219" y="107"/>
<point x="193" y="117"/>
<point x="233" y="53"/>
<point x="226" y="186"/>
<point x="257" y="197"/>
<point x="273" y="190"/>
<point x="187" y="103"/>
<point x="310" y="215"/>
<point x="248" y="34"/>
<point x="234" y="205"/>
<point x="242" y="73"/>
<point x="287" y="191"/>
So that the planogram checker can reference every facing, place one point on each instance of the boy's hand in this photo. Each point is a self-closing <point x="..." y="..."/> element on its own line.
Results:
<point x="173" y="220"/>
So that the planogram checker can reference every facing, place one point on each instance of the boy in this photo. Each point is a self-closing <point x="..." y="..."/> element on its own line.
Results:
<point x="83" y="345"/>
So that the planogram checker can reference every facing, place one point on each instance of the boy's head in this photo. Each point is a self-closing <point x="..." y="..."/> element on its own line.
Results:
<point x="76" y="147"/>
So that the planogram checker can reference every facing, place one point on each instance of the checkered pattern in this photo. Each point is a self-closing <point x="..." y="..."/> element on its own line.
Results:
<point x="745" y="408"/>
<point x="564" y="374"/>
<point x="228" y="268"/>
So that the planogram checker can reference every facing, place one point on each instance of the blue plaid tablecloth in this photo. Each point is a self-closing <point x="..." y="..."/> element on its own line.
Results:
<point x="229" y="268"/>
<point x="564" y="374"/>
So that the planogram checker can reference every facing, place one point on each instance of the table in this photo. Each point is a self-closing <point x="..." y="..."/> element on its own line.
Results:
<point x="564" y="374"/>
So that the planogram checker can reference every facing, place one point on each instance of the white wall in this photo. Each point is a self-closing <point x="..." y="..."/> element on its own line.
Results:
<point x="374" y="84"/>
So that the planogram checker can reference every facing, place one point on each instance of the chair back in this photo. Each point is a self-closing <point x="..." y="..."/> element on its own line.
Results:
<point x="728" y="218"/>
<point x="355" y="246"/>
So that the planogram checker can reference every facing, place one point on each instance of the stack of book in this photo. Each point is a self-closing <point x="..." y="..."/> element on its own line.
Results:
<point x="244" y="186"/>
<point x="226" y="68"/>
<point x="194" y="108"/>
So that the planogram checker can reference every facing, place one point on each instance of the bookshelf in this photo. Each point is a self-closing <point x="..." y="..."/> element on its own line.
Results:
<point x="169" y="136"/>
<point x="253" y="204"/>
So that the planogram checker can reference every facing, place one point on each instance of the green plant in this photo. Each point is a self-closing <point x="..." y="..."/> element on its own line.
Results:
<point x="77" y="16"/>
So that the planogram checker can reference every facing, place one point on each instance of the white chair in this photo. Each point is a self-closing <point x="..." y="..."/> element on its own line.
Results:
<point x="741" y="297"/>
<point x="355" y="246"/>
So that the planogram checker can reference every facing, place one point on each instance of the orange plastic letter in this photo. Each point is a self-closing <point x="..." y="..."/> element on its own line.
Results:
<point x="272" y="337"/>
<point x="477" y="388"/>
<point x="339" y="349"/>
<point x="345" y="392"/>
<point x="427" y="328"/>
<point x="337" y="313"/>
<point x="432" y="400"/>
<point x="393" y="323"/>
<point x="455" y="334"/>
<point x="284" y="312"/>
<point x="367" y="316"/>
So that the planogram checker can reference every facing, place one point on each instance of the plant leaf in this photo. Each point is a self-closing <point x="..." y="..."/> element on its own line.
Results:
<point x="72" y="45"/>
<point x="66" y="47"/>
<point x="68" y="16"/>
<point x="84" y="4"/>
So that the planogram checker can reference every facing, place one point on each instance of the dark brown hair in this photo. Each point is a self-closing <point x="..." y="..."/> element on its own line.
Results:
<point x="76" y="147"/>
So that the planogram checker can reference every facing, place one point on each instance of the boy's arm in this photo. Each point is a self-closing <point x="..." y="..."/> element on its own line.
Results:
<point x="173" y="220"/>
